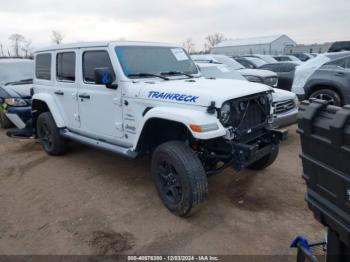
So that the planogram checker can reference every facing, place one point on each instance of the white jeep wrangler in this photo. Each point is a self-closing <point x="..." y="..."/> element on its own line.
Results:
<point x="136" y="99"/>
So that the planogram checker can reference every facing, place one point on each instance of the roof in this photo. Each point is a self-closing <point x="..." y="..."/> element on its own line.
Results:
<point x="249" y="41"/>
<point x="100" y="44"/>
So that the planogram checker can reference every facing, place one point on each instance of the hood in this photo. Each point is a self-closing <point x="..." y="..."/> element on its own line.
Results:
<point x="281" y="95"/>
<point x="14" y="91"/>
<point x="199" y="91"/>
<point x="257" y="72"/>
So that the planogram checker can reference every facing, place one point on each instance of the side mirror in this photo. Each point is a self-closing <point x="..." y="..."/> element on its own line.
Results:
<point x="105" y="76"/>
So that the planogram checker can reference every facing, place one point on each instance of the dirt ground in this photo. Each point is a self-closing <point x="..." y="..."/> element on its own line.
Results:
<point x="93" y="202"/>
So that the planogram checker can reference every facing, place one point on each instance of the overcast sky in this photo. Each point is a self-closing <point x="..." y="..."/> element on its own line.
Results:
<point x="305" y="21"/>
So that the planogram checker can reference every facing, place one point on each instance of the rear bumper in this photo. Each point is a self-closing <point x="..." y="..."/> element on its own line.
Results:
<point x="19" y="116"/>
<point x="286" y="119"/>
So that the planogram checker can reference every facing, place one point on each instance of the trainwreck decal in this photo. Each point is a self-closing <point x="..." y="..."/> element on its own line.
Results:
<point x="173" y="96"/>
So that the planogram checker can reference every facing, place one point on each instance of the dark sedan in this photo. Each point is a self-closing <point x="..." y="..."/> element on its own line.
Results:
<point x="285" y="72"/>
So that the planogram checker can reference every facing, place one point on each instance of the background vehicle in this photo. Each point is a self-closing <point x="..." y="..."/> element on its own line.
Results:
<point x="253" y="75"/>
<point x="15" y="83"/>
<point x="265" y="58"/>
<point x="303" y="56"/>
<point x="284" y="58"/>
<point x="284" y="102"/>
<point x="324" y="77"/>
<point x="250" y="62"/>
<point x="340" y="46"/>
<point x="285" y="72"/>
<point x="136" y="98"/>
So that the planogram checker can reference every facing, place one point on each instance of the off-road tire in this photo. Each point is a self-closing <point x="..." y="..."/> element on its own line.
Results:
<point x="4" y="121"/>
<point x="189" y="175"/>
<point x="329" y="95"/>
<point x="48" y="133"/>
<point x="266" y="160"/>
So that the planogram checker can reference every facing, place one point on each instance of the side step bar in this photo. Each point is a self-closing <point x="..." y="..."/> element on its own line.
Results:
<point x="99" y="144"/>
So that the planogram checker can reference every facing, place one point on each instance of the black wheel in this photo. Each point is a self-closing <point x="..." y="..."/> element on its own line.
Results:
<point x="266" y="160"/>
<point x="4" y="121"/>
<point x="328" y="95"/>
<point x="179" y="177"/>
<point x="49" y="135"/>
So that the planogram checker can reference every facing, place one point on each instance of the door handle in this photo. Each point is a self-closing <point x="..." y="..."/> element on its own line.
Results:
<point x="59" y="93"/>
<point x="84" y="96"/>
<point x="339" y="74"/>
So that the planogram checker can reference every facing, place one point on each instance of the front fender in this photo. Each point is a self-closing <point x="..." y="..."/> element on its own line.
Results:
<point x="186" y="117"/>
<point x="51" y="104"/>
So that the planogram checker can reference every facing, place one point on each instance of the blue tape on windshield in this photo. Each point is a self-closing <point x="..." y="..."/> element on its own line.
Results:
<point x="122" y="60"/>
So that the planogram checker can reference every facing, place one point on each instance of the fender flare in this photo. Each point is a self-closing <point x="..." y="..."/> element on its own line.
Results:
<point x="51" y="104"/>
<point x="186" y="117"/>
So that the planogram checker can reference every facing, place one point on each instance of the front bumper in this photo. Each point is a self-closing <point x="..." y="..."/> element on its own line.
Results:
<point x="246" y="154"/>
<point x="286" y="118"/>
<point x="19" y="116"/>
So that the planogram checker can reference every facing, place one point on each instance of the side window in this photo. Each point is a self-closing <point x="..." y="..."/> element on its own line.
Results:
<point x="338" y="62"/>
<point x="92" y="60"/>
<point x="65" y="66"/>
<point x="43" y="66"/>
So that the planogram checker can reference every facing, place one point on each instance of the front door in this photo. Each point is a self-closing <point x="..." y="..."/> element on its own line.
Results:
<point x="100" y="107"/>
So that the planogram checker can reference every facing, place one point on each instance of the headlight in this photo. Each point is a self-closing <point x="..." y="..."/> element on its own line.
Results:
<point x="15" y="102"/>
<point x="271" y="81"/>
<point x="225" y="113"/>
<point x="254" y="79"/>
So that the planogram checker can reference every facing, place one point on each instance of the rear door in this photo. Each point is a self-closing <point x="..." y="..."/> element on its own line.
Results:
<point x="65" y="89"/>
<point x="100" y="107"/>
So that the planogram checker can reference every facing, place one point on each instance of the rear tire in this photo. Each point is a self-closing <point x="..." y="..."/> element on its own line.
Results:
<point x="328" y="95"/>
<point x="179" y="176"/>
<point x="266" y="160"/>
<point x="48" y="133"/>
<point x="4" y="121"/>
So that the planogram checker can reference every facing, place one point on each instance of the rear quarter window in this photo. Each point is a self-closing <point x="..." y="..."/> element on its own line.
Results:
<point x="43" y="66"/>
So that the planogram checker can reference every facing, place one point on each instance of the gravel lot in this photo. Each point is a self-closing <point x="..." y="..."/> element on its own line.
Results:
<point x="93" y="202"/>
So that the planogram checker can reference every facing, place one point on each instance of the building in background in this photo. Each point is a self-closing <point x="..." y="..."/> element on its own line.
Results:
<point x="312" y="48"/>
<point x="268" y="45"/>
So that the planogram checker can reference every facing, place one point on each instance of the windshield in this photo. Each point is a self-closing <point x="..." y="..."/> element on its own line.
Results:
<point x="256" y="61"/>
<point x="228" y="61"/>
<point x="220" y="71"/>
<point x="15" y="71"/>
<point x="143" y="61"/>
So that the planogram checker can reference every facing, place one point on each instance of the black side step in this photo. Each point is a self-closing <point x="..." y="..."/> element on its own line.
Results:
<point x="24" y="133"/>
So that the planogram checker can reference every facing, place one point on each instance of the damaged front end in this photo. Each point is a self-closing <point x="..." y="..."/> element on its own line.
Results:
<point x="249" y="137"/>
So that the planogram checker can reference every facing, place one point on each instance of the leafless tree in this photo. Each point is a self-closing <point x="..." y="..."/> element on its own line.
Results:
<point x="1" y="50"/>
<point x="27" y="48"/>
<point x="189" y="46"/>
<point x="17" y="41"/>
<point x="212" y="40"/>
<point x="57" y="37"/>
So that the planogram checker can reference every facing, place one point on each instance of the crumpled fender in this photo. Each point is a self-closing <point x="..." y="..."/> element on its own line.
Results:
<point x="187" y="117"/>
<point x="51" y="104"/>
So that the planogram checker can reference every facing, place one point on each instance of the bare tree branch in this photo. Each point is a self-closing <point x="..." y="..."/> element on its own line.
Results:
<point x="27" y="48"/>
<point x="212" y="40"/>
<point x="57" y="37"/>
<point x="17" y="40"/>
<point x="189" y="46"/>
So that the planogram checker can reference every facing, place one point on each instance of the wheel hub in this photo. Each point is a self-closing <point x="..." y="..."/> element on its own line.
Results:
<point x="169" y="182"/>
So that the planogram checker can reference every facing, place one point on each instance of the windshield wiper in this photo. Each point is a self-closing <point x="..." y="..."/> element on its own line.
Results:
<point x="176" y="73"/>
<point x="148" y="75"/>
<point x="29" y="80"/>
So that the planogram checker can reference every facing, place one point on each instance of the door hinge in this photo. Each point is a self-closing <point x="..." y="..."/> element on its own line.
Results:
<point x="77" y="117"/>
<point x="118" y="101"/>
<point x="119" y="127"/>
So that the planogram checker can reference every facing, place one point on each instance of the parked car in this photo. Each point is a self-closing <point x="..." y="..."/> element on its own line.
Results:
<point x="285" y="72"/>
<point x="253" y="75"/>
<point x="250" y="62"/>
<point x="284" y="58"/>
<point x="137" y="98"/>
<point x="265" y="58"/>
<point x="303" y="56"/>
<point x="285" y="103"/>
<point x="340" y="46"/>
<point x="326" y="77"/>
<point x="16" y="77"/>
